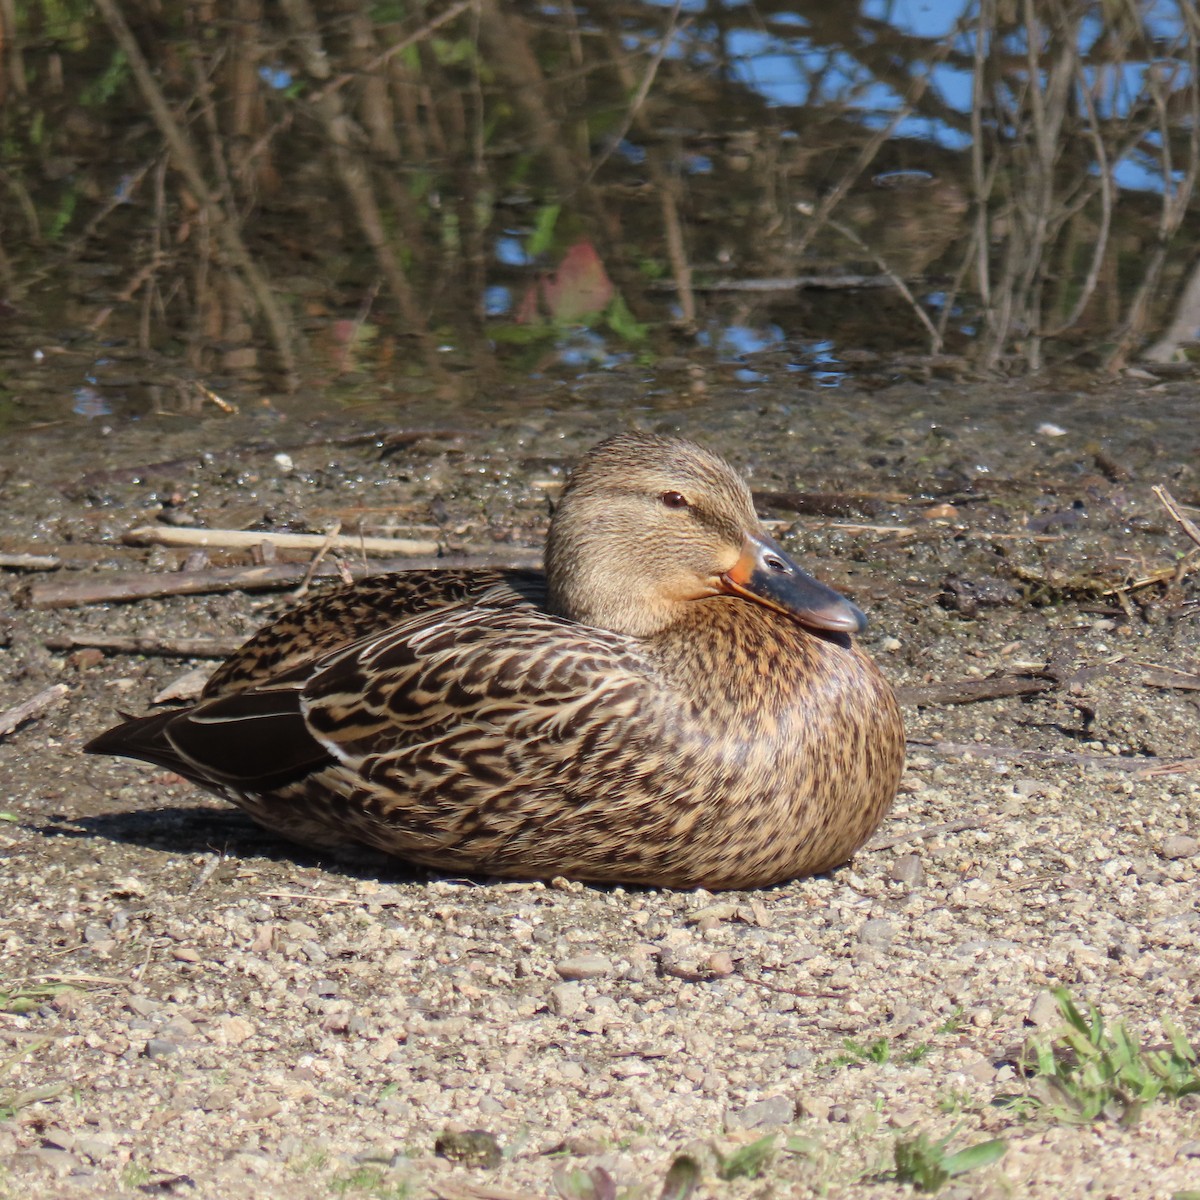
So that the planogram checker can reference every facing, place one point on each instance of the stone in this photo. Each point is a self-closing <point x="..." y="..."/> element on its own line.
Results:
<point x="770" y="1112"/>
<point x="877" y="933"/>
<point x="1180" y="845"/>
<point x="584" y="966"/>
<point x="908" y="869"/>
<point x="566" y="999"/>
<point x="1044" y="1011"/>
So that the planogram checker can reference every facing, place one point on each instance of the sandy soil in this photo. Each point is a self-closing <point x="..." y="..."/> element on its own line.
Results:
<point x="189" y="1007"/>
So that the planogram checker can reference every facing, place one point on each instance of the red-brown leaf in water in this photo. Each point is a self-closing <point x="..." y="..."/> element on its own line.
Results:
<point x="579" y="286"/>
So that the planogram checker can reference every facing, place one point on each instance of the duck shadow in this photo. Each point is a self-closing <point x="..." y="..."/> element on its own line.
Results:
<point x="201" y="830"/>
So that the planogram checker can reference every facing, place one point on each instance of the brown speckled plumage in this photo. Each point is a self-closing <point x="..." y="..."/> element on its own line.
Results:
<point x="678" y="705"/>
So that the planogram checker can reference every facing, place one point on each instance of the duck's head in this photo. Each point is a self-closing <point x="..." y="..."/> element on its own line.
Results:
<point x="647" y="525"/>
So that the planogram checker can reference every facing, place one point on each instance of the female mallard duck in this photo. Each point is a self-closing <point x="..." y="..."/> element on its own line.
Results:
<point x="673" y="703"/>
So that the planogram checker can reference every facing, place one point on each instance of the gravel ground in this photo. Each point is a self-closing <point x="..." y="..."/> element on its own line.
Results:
<point x="190" y="1007"/>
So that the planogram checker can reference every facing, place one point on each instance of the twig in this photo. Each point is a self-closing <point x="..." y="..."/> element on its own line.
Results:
<point x="184" y="647"/>
<point x="634" y="108"/>
<point x="143" y="585"/>
<point x="1162" y="676"/>
<point x="30" y="562"/>
<point x="858" y="527"/>
<point x="786" y="283"/>
<point x="315" y="897"/>
<point x="317" y="560"/>
<point x="1177" y="514"/>
<point x="450" y="1189"/>
<point x="928" y="831"/>
<point x="383" y="58"/>
<point x="35" y="706"/>
<point x="1110" y="762"/>
<point x="355" y="178"/>
<point x="787" y="991"/>
<point x="184" y="155"/>
<point x="972" y="691"/>
<point x="245" y="539"/>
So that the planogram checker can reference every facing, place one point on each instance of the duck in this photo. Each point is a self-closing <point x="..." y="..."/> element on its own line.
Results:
<point x="673" y="702"/>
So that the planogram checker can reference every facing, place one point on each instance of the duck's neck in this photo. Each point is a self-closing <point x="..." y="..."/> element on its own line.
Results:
<point x="606" y="591"/>
<point x="733" y="655"/>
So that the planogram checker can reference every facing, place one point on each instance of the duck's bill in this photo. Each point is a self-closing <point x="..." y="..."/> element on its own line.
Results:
<point x="766" y="573"/>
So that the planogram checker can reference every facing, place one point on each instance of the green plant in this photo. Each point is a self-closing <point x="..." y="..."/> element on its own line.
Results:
<point x="28" y="999"/>
<point x="878" y="1051"/>
<point x="134" y="1176"/>
<point x="954" y="1022"/>
<point x="1087" y="1071"/>
<point x="749" y="1161"/>
<point x="580" y="1183"/>
<point x="317" y="1160"/>
<point x="926" y="1165"/>
<point x="954" y="1101"/>
<point x="373" y="1181"/>
<point x="682" y="1178"/>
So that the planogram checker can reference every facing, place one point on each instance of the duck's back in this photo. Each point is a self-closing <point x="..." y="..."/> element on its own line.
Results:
<point x="341" y="616"/>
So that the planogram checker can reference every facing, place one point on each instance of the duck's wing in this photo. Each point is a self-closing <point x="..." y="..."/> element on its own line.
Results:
<point x="471" y="690"/>
<point x="334" y="619"/>
<point x="456" y="706"/>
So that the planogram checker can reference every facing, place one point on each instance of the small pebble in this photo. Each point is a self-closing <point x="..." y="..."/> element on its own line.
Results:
<point x="877" y="932"/>
<point x="1044" y="1011"/>
<point x="566" y="999"/>
<point x="770" y="1112"/>
<point x="815" y="1107"/>
<point x="720" y="964"/>
<point x="584" y="966"/>
<point x="908" y="869"/>
<point x="1180" y="845"/>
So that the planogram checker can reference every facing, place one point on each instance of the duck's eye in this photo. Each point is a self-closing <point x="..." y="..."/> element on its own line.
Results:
<point x="674" y="499"/>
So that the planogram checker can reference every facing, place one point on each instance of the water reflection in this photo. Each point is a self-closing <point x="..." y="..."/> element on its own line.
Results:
<point x="521" y="185"/>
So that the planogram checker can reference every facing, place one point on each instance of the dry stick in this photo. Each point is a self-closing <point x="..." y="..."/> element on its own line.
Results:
<point x="185" y="159"/>
<point x="1172" y="506"/>
<point x="316" y="897"/>
<point x="1104" y="173"/>
<point x="858" y="527"/>
<point x="383" y="58"/>
<point x="143" y="585"/>
<point x="355" y="179"/>
<point x="633" y="111"/>
<point x="928" y="831"/>
<point x="463" y="1190"/>
<point x="30" y="562"/>
<point x="665" y="181"/>
<point x="245" y="539"/>
<point x="1106" y="761"/>
<point x="183" y="647"/>
<point x="507" y="45"/>
<point x="935" y="338"/>
<point x="1176" y="201"/>
<point x="971" y="691"/>
<point x="318" y="559"/>
<point x="782" y="283"/>
<point x="33" y="707"/>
